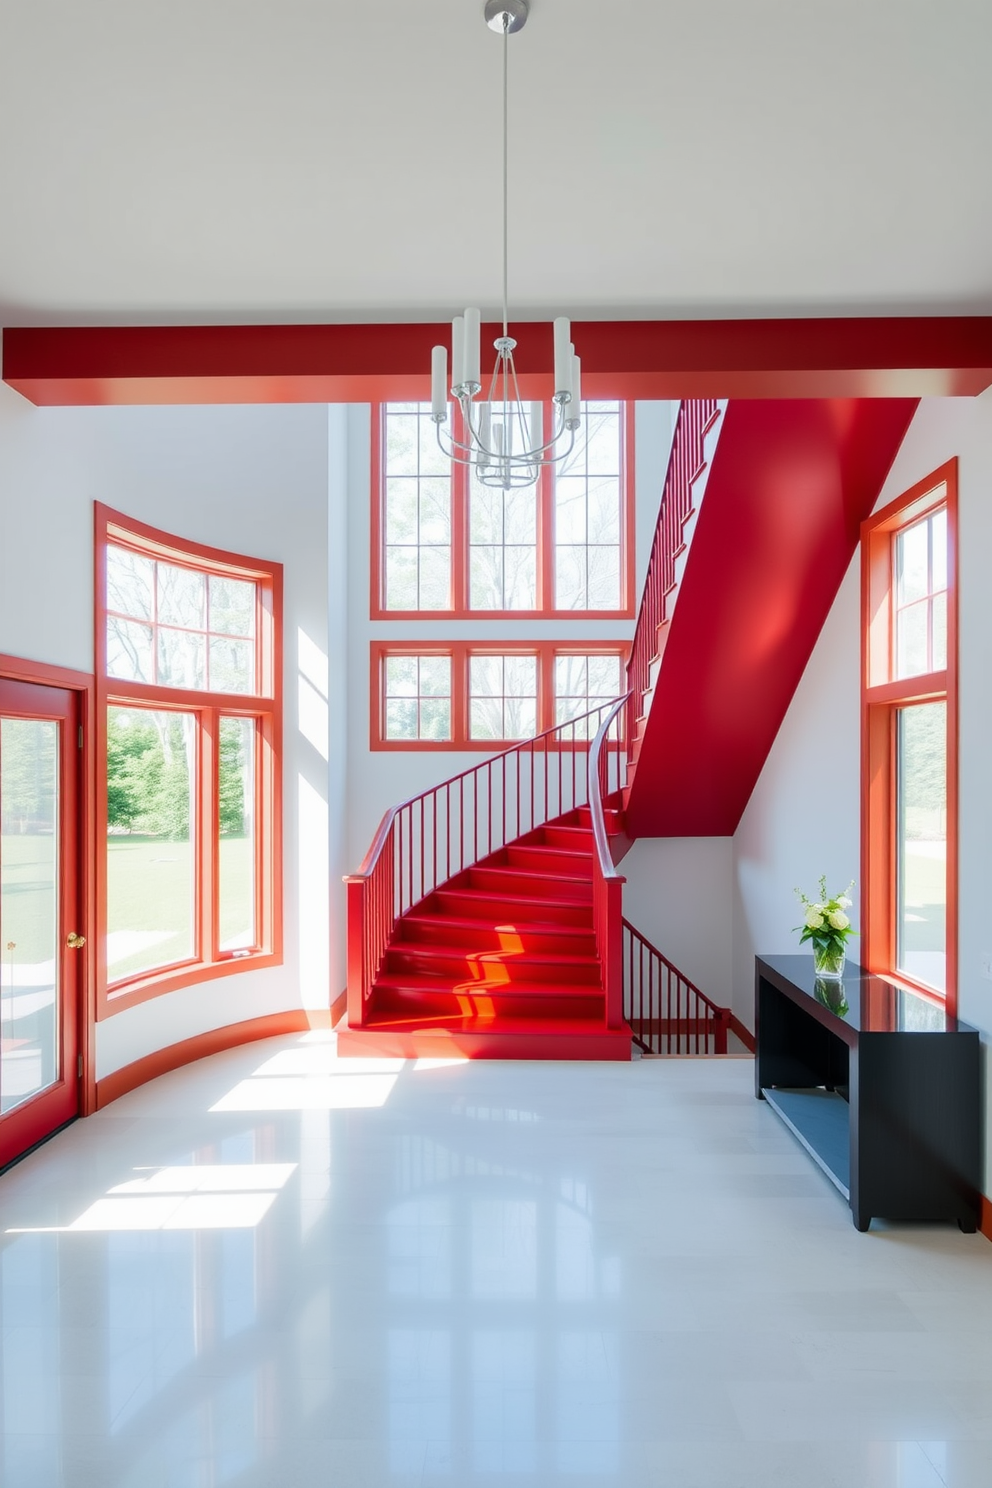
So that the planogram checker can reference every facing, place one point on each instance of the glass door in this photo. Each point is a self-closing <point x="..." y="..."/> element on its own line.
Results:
<point x="41" y="947"/>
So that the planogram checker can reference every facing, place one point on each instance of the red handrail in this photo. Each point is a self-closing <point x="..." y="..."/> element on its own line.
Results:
<point x="685" y="462"/>
<point x="607" y="770"/>
<point x="667" y="1013"/>
<point x="425" y="841"/>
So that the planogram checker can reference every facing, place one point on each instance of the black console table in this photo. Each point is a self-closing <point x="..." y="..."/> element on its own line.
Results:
<point x="880" y="1086"/>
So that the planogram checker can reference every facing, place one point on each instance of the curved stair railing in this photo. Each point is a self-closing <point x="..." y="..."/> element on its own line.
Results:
<point x="607" y="769"/>
<point x="667" y="1013"/>
<point x="427" y="840"/>
<point x="685" y="463"/>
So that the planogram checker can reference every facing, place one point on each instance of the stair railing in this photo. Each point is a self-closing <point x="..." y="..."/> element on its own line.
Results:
<point x="607" y="775"/>
<point x="427" y="840"/>
<point x="695" y="417"/>
<point x="667" y="1013"/>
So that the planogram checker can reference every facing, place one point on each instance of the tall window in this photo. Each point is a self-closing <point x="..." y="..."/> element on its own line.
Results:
<point x="466" y="695"/>
<point x="188" y="703"/>
<point x="447" y="544"/>
<point x="910" y="736"/>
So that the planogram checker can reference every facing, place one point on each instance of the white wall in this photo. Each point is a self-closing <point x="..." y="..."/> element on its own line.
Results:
<point x="251" y="479"/>
<point x="784" y="837"/>
<point x="677" y="894"/>
<point x="803" y="817"/>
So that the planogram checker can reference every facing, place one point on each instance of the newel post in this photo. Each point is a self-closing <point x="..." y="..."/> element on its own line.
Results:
<point x="613" y="959"/>
<point x="357" y="893"/>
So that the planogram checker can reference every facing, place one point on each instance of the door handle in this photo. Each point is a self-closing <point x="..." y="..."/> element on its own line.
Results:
<point x="75" y="942"/>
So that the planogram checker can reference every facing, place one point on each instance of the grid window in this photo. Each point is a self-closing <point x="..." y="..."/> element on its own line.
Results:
<point x="188" y="884"/>
<point x="588" y="514"/>
<point x="909" y="712"/>
<point x="416" y="511"/>
<point x="417" y="693"/>
<point x="172" y="626"/>
<point x="583" y="681"/>
<point x="920" y="556"/>
<point x="502" y="548"/>
<point x="502" y="697"/>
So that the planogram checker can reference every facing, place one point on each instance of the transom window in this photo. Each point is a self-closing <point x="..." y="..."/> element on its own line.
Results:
<point x="470" y="696"/>
<point x="920" y="557"/>
<point x="173" y="626"/>
<point x="446" y="543"/>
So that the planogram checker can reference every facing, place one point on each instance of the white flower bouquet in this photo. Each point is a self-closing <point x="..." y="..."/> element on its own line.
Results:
<point x="827" y="926"/>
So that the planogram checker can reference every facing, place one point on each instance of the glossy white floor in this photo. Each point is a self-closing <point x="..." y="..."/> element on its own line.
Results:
<point x="274" y="1268"/>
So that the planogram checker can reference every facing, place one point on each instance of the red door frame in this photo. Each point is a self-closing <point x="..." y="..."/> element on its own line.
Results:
<point x="77" y="877"/>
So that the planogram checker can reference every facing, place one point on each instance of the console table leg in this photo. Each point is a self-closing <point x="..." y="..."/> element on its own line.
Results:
<point x="861" y="1221"/>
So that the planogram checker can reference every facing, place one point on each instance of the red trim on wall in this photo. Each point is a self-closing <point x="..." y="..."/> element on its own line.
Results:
<point x="828" y="357"/>
<point x="985" y="1216"/>
<point x="880" y="698"/>
<point x="19" y="669"/>
<point x="201" y="1046"/>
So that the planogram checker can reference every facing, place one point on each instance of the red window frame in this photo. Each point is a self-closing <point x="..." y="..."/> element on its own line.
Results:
<point x="882" y="696"/>
<point x="265" y="706"/>
<point x="460" y="555"/>
<point x="461" y="653"/>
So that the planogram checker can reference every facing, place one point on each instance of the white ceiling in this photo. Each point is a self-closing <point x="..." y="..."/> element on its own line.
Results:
<point x="299" y="160"/>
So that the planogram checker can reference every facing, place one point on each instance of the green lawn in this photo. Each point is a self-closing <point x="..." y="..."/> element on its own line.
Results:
<point x="149" y="895"/>
<point x="27" y="898"/>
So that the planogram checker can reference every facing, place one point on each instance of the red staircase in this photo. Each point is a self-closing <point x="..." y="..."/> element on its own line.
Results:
<point x="487" y="913"/>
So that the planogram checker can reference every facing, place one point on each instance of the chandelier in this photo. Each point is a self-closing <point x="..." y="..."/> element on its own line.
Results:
<point x="503" y="445"/>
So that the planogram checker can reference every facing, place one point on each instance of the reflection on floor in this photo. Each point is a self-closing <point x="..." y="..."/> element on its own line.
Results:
<point x="276" y="1269"/>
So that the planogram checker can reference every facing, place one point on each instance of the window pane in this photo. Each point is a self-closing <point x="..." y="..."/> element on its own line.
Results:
<point x="151" y="777"/>
<point x="486" y="676"/>
<point x="938" y="550"/>
<point x="604" y="511"/>
<point x="182" y="658"/>
<point x="435" y="578"/>
<point x="922" y="843"/>
<point x="435" y="512"/>
<point x="401" y="676"/>
<point x="130" y="583"/>
<point x="912" y="563"/>
<point x="401" y="718"/>
<point x="182" y="597"/>
<point x="435" y="676"/>
<point x="401" y="578"/>
<point x="435" y="719"/>
<point x="486" y="578"/>
<point x="570" y="509"/>
<point x="129" y="650"/>
<point x="232" y="606"/>
<point x="236" y="825"/>
<point x="938" y="620"/>
<point x="520" y="578"/>
<point x="401" y="443"/>
<point x="232" y="665"/>
<point x="401" y="511"/>
<point x="570" y="578"/>
<point x="911" y="639"/>
<point x="29" y="908"/>
<point x="604" y="579"/>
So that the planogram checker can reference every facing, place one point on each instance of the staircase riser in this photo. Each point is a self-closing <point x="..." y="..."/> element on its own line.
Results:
<point x="543" y="942"/>
<point x="466" y="968"/>
<point x="364" y="1043"/>
<point x="577" y="839"/>
<point x="547" y="860"/>
<point x="497" y="881"/>
<point x="544" y="1010"/>
<point x="503" y="910"/>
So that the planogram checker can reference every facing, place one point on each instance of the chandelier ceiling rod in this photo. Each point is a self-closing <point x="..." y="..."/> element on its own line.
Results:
<point x="498" y="438"/>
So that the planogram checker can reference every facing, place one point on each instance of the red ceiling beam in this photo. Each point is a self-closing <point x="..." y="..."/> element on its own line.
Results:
<point x="869" y="357"/>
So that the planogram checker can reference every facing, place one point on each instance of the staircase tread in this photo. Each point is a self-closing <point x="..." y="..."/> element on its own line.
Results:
<point x="511" y="870"/>
<point x="485" y="896"/>
<point x="399" y="981"/>
<point x="462" y="922"/>
<point x="591" y="1026"/>
<point x="495" y="957"/>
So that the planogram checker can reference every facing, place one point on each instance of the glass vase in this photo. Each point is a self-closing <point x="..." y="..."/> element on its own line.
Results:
<point x="828" y="960"/>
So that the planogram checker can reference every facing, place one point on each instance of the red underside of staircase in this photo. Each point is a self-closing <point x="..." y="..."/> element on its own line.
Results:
<point x="500" y="962"/>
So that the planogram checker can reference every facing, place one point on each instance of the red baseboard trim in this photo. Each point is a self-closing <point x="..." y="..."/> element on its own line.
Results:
<point x="985" y="1216"/>
<point x="743" y="1033"/>
<point x="339" y="1008"/>
<point x="174" y="1056"/>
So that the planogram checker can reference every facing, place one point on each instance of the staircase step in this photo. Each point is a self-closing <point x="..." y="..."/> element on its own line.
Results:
<point x="480" y="904"/>
<point x="501" y="966"/>
<point x="612" y="818"/>
<point x="578" y="839"/>
<point x="423" y="999"/>
<point x="484" y="935"/>
<point x="521" y="881"/>
<point x="515" y="1038"/>
<point x="550" y="860"/>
